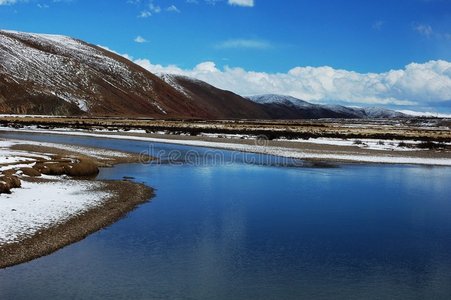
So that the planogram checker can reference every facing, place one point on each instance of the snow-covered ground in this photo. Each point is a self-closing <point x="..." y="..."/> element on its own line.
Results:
<point x="8" y="156"/>
<point x="37" y="206"/>
<point x="29" y="116"/>
<point x="372" y="144"/>
<point x="91" y="152"/>
<point x="270" y="150"/>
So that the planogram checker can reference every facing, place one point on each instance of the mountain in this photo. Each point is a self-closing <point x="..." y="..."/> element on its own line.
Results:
<point x="379" y="112"/>
<point x="216" y="101"/>
<point x="53" y="74"/>
<point x="59" y="75"/>
<point x="282" y="100"/>
<point x="287" y="107"/>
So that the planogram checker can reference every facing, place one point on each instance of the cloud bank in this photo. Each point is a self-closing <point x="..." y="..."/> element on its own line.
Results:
<point x="416" y="84"/>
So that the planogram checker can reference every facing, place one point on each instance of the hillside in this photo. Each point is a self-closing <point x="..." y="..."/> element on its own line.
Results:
<point x="287" y="107"/>
<point x="216" y="101"/>
<point x="59" y="75"/>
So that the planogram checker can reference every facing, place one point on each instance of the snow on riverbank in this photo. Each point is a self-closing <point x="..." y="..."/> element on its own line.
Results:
<point x="49" y="201"/>
<point x="37" y="206"/>
<point x="10" y="156"/>
<point x="91" y="152"/>
<point x="270" y="150"/>
<point x="371" y="144"/>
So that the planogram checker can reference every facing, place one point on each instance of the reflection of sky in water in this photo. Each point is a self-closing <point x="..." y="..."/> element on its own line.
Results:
<point x="236" y="231"/>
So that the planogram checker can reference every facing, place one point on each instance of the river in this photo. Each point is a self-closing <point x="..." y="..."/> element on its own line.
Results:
<point x="227" y="225"/>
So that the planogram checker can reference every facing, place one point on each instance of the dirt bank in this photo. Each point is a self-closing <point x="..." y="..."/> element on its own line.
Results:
<point x="44" y="165"/>
<point x="51" y="239"/>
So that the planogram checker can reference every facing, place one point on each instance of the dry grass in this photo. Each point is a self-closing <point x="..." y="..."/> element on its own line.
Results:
<point x="360" y="129"/>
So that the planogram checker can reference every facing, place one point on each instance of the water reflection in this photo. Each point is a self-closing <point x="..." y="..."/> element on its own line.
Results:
<point x="239" y="231"/>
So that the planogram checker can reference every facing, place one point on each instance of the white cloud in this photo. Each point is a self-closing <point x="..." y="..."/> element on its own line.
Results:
<point x="173" y="8"/>
<point x="144" y="14"/>
<point x="154" y="8"/>
<point x="424" y="29"/>
<point x="207" y="67"/>
<point x="139" y="39"/>
<point x="39" y="5"/>
<point x="246" y="3"/>
<point x="7" y="2"/>
<point x="416" y="84"/>
<point x="378" y="25"/>
<point x="243" y="44"/>
<point x="427" y="31"/>
<point x="149" y="10"/>
<point x="425" y="114"/>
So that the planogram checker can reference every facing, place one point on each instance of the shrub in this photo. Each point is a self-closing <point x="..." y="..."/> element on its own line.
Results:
<point x="4" y="188"/>
<point x="431" y="145"/>
<point x="30" y="172"/>
<point x="84" y="168"/>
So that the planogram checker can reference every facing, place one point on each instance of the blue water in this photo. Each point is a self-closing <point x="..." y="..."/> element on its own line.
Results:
<point x="221" y="228"/>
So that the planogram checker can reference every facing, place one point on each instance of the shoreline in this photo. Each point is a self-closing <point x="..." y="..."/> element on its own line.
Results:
<point x="120" y="202"/>
<point x="50" y="240"/>
<point x="40" y="217"/>
<point x="304" y="150"/>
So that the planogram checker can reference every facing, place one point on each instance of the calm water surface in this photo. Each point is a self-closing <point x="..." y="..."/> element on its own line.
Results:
<point x="233" y="230"/>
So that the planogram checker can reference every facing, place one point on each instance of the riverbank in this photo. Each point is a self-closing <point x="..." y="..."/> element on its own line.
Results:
<point x="347" y="150"/>
<point x="55" y="199"/>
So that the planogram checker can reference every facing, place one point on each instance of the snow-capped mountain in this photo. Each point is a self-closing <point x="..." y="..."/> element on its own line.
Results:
<point x="379" y="112"/>
<point x="59" y="75"/>
<point x="55" y="74"/>
<point x="279" y="99"/>
<point x="287" y="107"/>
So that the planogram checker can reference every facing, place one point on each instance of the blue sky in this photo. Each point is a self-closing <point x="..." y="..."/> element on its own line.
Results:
<point x="256" y="35"/>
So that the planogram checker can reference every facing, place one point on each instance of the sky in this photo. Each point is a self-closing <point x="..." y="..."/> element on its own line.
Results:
<point x="393" y="53"/>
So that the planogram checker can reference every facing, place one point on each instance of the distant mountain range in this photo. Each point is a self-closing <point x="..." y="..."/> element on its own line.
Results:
<point x="286" y="107"/>
<point x="58" y="75"/>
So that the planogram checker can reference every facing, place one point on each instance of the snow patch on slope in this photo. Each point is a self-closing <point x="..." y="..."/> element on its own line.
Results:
<point x="172" y="81"/>
<point x="279" y="99"/>
<point x="63" y="67"/>
<point x="368" y="112"/>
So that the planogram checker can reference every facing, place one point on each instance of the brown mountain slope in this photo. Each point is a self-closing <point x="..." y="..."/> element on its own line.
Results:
<point x="58" y="75"/>
<point x="216" y="101"/>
